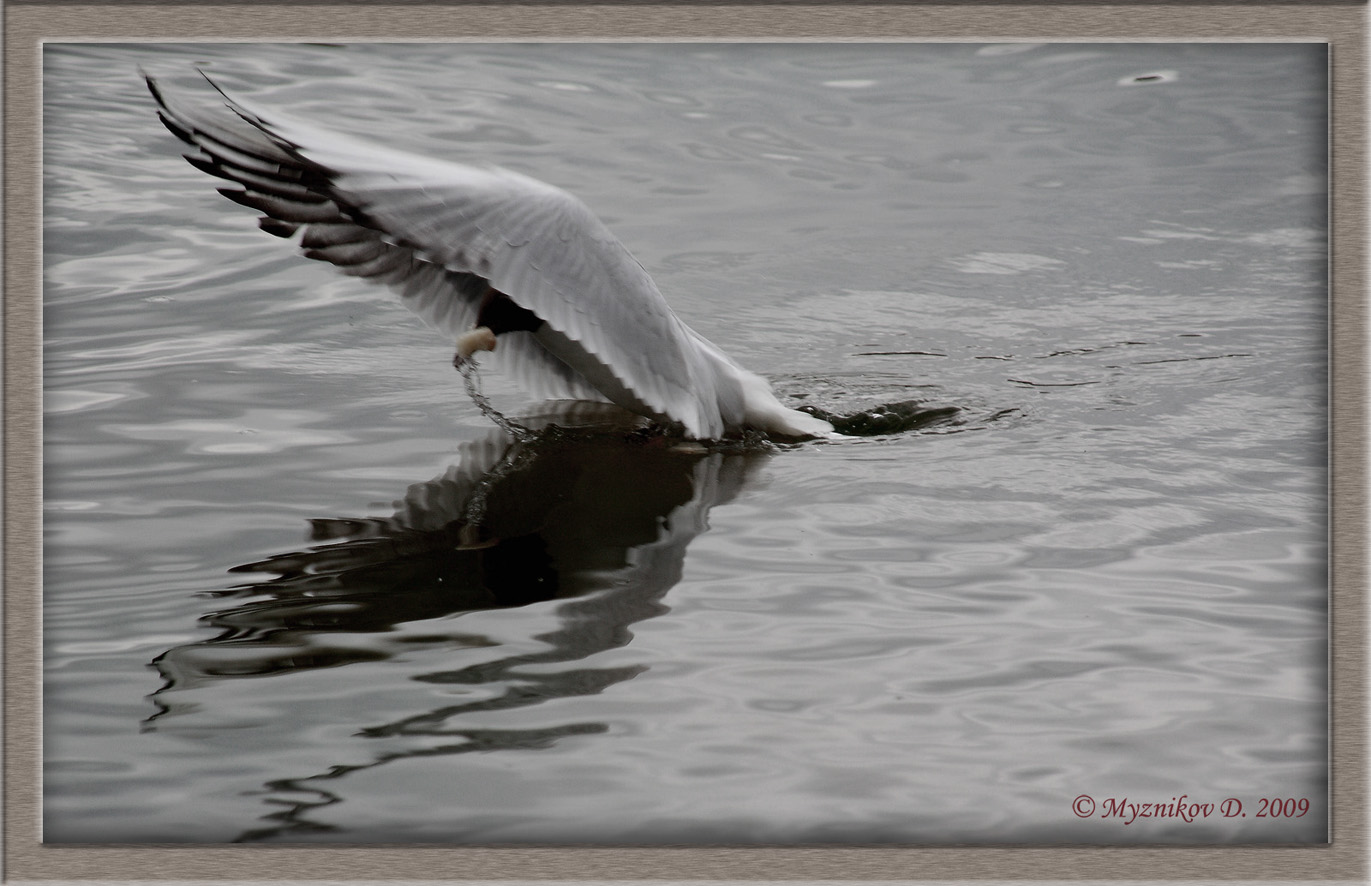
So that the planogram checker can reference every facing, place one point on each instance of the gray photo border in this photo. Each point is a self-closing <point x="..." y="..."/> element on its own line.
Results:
<point x="28" y="23"/>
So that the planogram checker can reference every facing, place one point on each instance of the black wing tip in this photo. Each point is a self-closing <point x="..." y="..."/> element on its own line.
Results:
<point x="156" y="89"/>
<point x="234" y="106"/>
<point x="163" y="109"/>
<point x="278" y="228"/>
<point x="175" y="128"/>
<point x="210" y="80"/>
<point x="159" y="94"/>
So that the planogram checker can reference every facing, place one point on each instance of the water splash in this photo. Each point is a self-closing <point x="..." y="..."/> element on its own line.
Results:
<point x="472" y="379"/>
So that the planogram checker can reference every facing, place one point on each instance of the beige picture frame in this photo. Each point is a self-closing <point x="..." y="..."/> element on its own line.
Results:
<point x="29" y="24"/>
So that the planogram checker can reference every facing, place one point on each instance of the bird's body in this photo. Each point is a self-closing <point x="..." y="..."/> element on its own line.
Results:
<point x="496" y="259"/>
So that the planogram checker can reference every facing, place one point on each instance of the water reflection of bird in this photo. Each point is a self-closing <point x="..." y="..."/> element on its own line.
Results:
<point x="591" y="516"/>
<point x="589" y="506"/>
<point x="487" y="255"/>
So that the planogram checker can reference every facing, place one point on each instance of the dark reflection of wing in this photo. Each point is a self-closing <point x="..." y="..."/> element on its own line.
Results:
<point x="512" y="523"/>
<point x="600" y="516"/>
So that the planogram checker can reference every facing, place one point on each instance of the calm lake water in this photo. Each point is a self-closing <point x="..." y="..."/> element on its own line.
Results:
<point x="297" y="588"/>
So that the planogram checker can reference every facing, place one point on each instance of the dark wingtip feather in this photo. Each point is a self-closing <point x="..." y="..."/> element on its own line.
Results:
<point x="237" y="195"/>
<point x="208" y="166"/>
<point x="176" y="128"/>
<point x="152" y="87"/>
<point x="210" y="81"/>
<point x="284" y="209"/>
<point x="283" y="229"/>
<point x="240" y="111"/>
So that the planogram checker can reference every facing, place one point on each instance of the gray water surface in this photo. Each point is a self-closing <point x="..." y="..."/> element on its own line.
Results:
<point x="1099" y="575"/>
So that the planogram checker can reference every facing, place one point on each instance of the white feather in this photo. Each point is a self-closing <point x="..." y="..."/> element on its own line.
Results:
<point x="436" y="231"/>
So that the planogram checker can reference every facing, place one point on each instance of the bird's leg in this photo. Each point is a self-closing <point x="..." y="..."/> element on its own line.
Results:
<point x="479" y="339"/>
<point x="498" y="314"/>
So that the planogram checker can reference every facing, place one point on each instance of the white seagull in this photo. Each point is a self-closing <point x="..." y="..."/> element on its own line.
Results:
<point x="488" y="256"/>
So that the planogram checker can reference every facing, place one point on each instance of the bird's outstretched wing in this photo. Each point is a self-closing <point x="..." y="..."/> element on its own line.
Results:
<point x="441" y="233"/>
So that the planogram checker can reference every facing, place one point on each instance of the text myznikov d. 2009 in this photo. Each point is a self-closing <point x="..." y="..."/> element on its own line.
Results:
<point x="1184" y="809"/>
